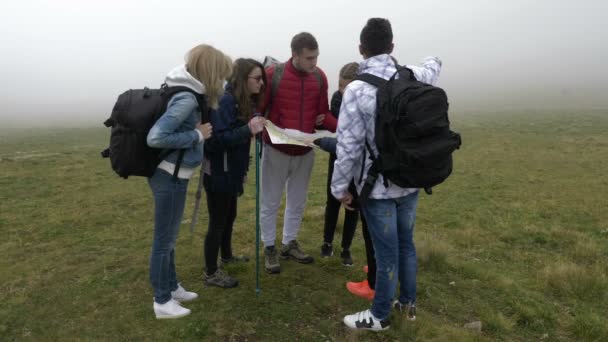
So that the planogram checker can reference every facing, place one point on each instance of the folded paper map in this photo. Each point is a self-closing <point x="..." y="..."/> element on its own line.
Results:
<point x="293" y="136"/>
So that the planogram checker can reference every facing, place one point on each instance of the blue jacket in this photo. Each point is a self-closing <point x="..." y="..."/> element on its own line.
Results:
<point x="227" y="151"/>
<point x="176" y="130"/>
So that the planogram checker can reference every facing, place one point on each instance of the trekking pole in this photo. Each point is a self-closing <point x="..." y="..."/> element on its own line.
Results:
<point x="197" y="202"/>
<point x="258" y="148"/>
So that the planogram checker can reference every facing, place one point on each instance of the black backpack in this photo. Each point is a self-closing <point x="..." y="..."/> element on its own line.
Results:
<point x="412" y="133"/>
<point x="134" y="114"/>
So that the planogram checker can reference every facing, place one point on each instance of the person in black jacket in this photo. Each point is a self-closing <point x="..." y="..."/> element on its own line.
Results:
<point x="227" y="154"/>
<point x="332" y="207"/>
<point x="365" y="288"/>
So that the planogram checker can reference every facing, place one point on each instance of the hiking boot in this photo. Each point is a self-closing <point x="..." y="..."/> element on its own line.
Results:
<point x="327" y="250"/>
<point x="366" y="321"/>
<point x="221" y="279"/>
<point x="181" y="295"/>
<point x="235" y="259"/>
<point x="361" y="289"/>
<point x="271" y="262"/>
<point x="292" y="250"/>
<point x="408" y="309"/>
<point x="347" y="259"/>
<point x="171" y="309"/>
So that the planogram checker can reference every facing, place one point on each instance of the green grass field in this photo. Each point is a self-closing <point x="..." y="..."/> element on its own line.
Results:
<point x="517" y="238"/>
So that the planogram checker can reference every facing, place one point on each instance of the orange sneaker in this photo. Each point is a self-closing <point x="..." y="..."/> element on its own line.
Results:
<point x="351" y="285"/>
<point x="361" y="289"/>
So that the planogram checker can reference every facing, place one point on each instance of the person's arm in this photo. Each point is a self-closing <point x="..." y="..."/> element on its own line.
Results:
<point x="335" y="103"/>
<point x="329" y="121"/>
<point x="327" y="144"/>
<point x="163" y="134"/>
<point x="428" y="71"/>
<point x="350" y="143"/>
<point x="225" y="136"/>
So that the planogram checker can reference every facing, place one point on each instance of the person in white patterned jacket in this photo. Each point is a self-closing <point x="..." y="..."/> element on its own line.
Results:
<point x="390" y="211"/>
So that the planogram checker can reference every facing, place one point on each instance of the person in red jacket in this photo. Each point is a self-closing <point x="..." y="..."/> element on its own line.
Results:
<point x="300" y="102"/>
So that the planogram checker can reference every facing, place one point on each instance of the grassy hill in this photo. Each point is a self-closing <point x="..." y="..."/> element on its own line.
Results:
<point x="517" y="238"/>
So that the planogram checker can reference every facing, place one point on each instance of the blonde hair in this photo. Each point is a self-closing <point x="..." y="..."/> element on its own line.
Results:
<point x="349" y="71"/>
<point x="211" y="67"/>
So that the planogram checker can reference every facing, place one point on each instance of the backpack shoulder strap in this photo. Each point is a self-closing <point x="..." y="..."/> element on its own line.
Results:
<point x="201" y="99"/>
<point x="404" y="71"/>
<point x="371" y="79"/>
<point x="277" y="75"/>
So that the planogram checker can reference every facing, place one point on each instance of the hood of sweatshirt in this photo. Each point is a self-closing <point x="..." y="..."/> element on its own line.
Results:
<point x="179" y="76"/>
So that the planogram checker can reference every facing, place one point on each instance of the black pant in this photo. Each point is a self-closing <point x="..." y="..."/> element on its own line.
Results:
<point x="369" y="252"/>
<point x="222" y="212"/>
<point x="332" y="210"/>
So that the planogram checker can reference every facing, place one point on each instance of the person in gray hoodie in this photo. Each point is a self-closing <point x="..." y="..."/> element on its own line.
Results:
<point x="180" y="128"/>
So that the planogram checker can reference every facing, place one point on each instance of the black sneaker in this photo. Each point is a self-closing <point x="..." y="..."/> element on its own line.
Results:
<point x="327" y="250"/>
<point x="408" y="309"/>
<point x="221" y="279"/>
<point x="271" y="262"/>
<point x="292" y="251"/>
<point x="347" y="259"/>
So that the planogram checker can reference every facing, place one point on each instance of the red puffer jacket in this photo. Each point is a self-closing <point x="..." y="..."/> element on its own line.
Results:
<point x="297" y="103"/>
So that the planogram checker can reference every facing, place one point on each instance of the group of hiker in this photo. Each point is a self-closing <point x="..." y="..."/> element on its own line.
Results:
<point x="241" y="96"/>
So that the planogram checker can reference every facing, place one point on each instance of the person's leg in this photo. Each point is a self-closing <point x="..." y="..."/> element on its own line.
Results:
<point x="300" y="169"/>
<point x="169" y="201"/>
<point x="217" y="205"/>
<point x="406" y="217"/>
<point x="381" y="218"/>
<point x="274" y="176"/>
<point x="348" y="230"/>
<point x="351" y="218"/>
<point x="227" y="236"/>
<point x="370" y="254"/>
<point x="332" y="206"/>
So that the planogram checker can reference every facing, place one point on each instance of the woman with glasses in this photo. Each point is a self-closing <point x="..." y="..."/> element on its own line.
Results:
<point x="227" y="153"/>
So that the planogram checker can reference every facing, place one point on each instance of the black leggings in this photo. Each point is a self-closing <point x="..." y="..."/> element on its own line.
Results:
<point x="332" y="210"/>
<point x="222" y="212"/>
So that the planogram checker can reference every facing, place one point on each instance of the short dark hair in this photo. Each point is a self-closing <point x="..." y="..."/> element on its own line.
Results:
<point x="376" y="37"/>
<point x="303" y="40"/>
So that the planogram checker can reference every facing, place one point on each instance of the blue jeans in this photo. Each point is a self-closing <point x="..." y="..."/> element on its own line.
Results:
<point x="391" y="226"/>
<point x="169" y="201"/>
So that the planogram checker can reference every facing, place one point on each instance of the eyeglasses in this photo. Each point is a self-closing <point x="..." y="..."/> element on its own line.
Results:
<point x="258" y="78"/>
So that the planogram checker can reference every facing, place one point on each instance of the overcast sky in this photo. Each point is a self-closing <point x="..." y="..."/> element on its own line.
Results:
<point x="70" y="59"/>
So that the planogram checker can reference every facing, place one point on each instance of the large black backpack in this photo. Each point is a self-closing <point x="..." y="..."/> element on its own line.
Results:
<point x="412" y="133"/>
<point x="134" y="114"/>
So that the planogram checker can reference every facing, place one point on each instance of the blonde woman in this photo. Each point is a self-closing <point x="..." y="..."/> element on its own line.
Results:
<point x="180" y="129"/>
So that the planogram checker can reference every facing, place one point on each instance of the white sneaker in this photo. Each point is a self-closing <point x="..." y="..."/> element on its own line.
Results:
<point x="171" y="309"/>
<point x="181" y="295"/>
<point x="366" y="321"/>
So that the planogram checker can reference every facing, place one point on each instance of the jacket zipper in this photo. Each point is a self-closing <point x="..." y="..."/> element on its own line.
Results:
<point x="302" y="108"/>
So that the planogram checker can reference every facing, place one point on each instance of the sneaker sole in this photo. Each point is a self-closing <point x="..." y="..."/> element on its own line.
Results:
<point x="370" y="329"/>
<point x="182" y="300"/>
<point x="272" y="271"/>
<point x="223" y="287"/>
<point x="347" y="265"/>
<point x="301" y="261"/>
<point x="172" y="316"/>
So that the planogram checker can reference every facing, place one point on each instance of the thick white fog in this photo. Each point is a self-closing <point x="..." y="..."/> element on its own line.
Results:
<point x="67" y="60"/>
